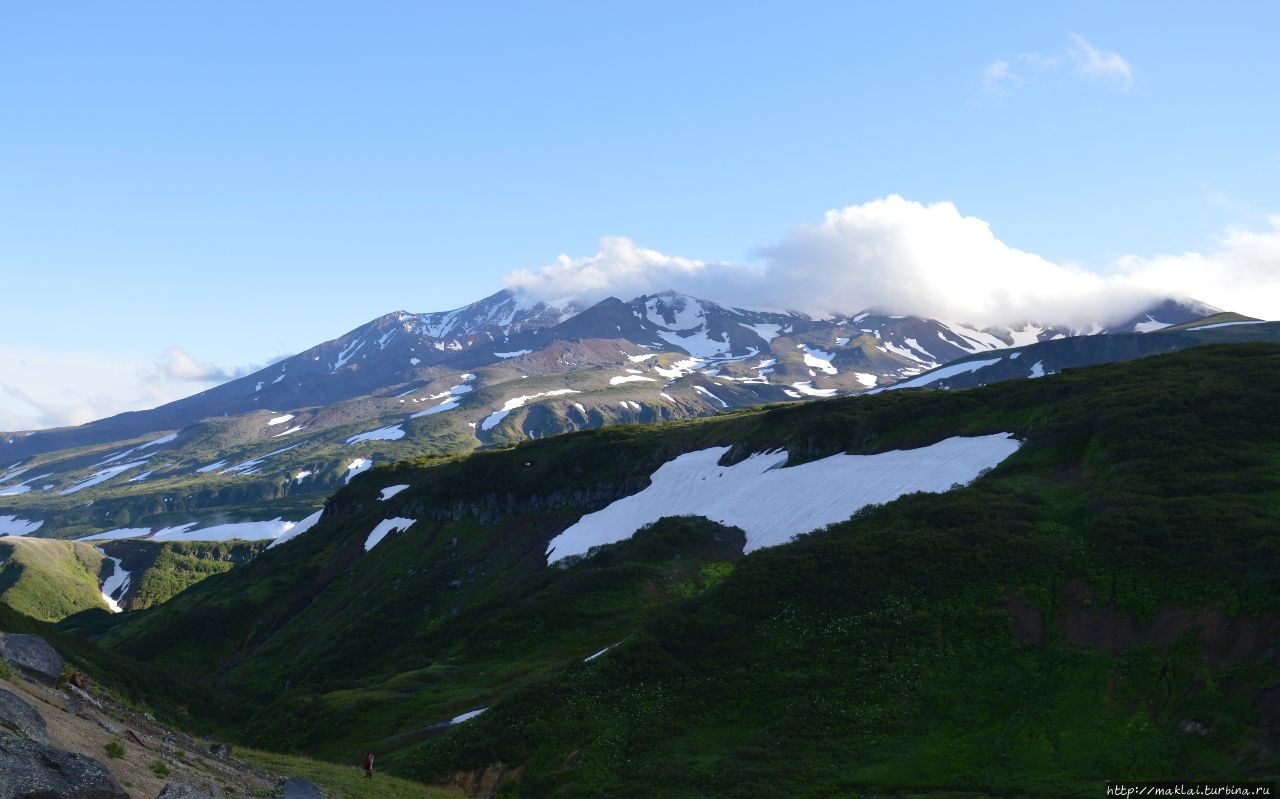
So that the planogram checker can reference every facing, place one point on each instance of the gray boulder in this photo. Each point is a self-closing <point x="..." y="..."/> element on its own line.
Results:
<point x="22" y="718"/>
<point x="32" y="655"/>
<point x="298" y="788"/>
<point x="29" y="770"/>
<point x="180" y="790"/>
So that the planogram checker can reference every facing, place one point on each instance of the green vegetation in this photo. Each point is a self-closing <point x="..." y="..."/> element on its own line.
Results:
<point x="159" y="769"/>
<point x="164" y="569"/>
<point x="1079" y="614"/>
<point x="114" y="747"/>
<point x="49" y="580"/>
<point x="345" y="781"/>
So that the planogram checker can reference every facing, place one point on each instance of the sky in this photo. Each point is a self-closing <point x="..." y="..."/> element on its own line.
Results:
<point x="191" y="191"/>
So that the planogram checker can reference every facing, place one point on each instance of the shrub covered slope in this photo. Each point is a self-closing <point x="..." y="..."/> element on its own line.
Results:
<point x="1100" y="606"/>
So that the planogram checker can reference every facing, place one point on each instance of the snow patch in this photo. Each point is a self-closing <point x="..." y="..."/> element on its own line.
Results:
<point x="12" y="525"/>
<point x="1149" y="325"/>
<point x="279" y="419"/>
<point x="357" y="466"/>
<point x="102" y="476"/>
<point x="389" y="433"/>
<point x="618" y="380"/>
<point x="510" y="405"/>
<point x="115" y="586"/>
<point x="470" y="714"/>
<point x="515" y="354"/>
<point x="300" y="527"/>
<point x="346" y="355"/>
<point x="946" y="371"/>
<point x="250" y="466"/>
<point x="1037" y="369"/>
<point x="806" y="388"/>
<point x="707" y="393"/>
<point x="1227" y="324"/>
<point x="773" y="504"/>
<point x="245" y="531"/>
<point x="817" y="359"/>
<point x="766" y="332"/>
<point x="122" y="532"/>
<point x="390" y="491"/>
<point x="384" y="527"/>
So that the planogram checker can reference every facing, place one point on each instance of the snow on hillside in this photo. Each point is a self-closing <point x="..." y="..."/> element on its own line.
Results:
<point x="389" y="433"/>
<point x="385" y="527"/>
<point x="773" y="504"/>
<point x="492" y="420"/>
<point x="356" y="466"/>
<point x="103" y="475"/>
<point x="276" y="528"/>
<point x="806" y="387"/>
<point x="1148" y="325"/>
<point x="251" y="466"/>
<point x="244" y="531"/>
<point x="450" y="399"/>
<point x="1227" y="324"/>
<point x="122" y="532"/>
<point x="390" y="491"/>
<point x="946" y="371"/>
<point x="115" y="586"/>
<point x="300" y="527"/>
<point x="12" y="525"/>
<point x="817" y="359"/>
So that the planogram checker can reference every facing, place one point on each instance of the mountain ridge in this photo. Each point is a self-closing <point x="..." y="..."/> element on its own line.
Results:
<point x="267" y="448"/>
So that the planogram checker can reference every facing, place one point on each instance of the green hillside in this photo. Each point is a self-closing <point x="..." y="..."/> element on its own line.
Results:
<point x="1099" y="606"/>
<point x="49" y="580"/>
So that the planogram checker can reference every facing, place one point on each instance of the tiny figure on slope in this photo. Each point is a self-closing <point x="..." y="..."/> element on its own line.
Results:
<point x="368" y="765"/>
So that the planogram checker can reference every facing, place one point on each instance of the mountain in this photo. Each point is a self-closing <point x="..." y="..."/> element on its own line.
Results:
<point x="1021" y="589"/>
<point x="256" y="457"/>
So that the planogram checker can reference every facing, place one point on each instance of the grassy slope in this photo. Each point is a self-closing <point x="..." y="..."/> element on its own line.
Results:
<point x="879" y="653"/>
<point x="49" y="580"/>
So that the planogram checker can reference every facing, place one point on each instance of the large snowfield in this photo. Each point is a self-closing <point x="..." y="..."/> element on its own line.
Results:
<point x="772" y="504"/>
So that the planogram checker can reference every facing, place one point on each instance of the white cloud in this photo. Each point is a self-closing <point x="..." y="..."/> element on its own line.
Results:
<point x="1242" y="275"/>
<point x="60" y="387"/>
<point x="998" y="76"/>
<point x="905" y="257"/>
<point x="1099" y="65"/>
<point x="1083" y="59"/>
<point x="620" y="268"/>
<point x="179" y="365"/>
<point x="929" y="260"/>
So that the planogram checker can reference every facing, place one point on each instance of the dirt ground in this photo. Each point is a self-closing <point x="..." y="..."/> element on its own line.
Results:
<point x="148" y="746"/>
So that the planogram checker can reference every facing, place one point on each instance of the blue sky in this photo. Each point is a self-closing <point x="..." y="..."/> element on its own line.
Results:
<point x="187" y="190"/>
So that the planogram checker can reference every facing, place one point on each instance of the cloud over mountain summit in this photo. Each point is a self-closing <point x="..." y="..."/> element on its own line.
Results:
<point x="907" y="257"/>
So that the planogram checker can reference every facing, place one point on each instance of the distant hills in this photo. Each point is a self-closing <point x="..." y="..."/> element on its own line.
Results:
<point x="257" y="456"/>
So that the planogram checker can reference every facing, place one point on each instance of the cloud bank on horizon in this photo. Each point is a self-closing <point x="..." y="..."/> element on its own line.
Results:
<point x="901" y="256"/>
<point x="42" y="388"/>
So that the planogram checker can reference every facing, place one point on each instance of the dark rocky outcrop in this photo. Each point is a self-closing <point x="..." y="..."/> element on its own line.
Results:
<point x="29" y="770"/>
<point x="22" y="718"/>
<point x="32" y="655"/>
<point x="181" y="790"/>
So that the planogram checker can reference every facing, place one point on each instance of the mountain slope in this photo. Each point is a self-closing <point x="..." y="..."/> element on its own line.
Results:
<point x="1084" y="609"/>
<point x="266" y="450"/>
<point x="49" y="580"/>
